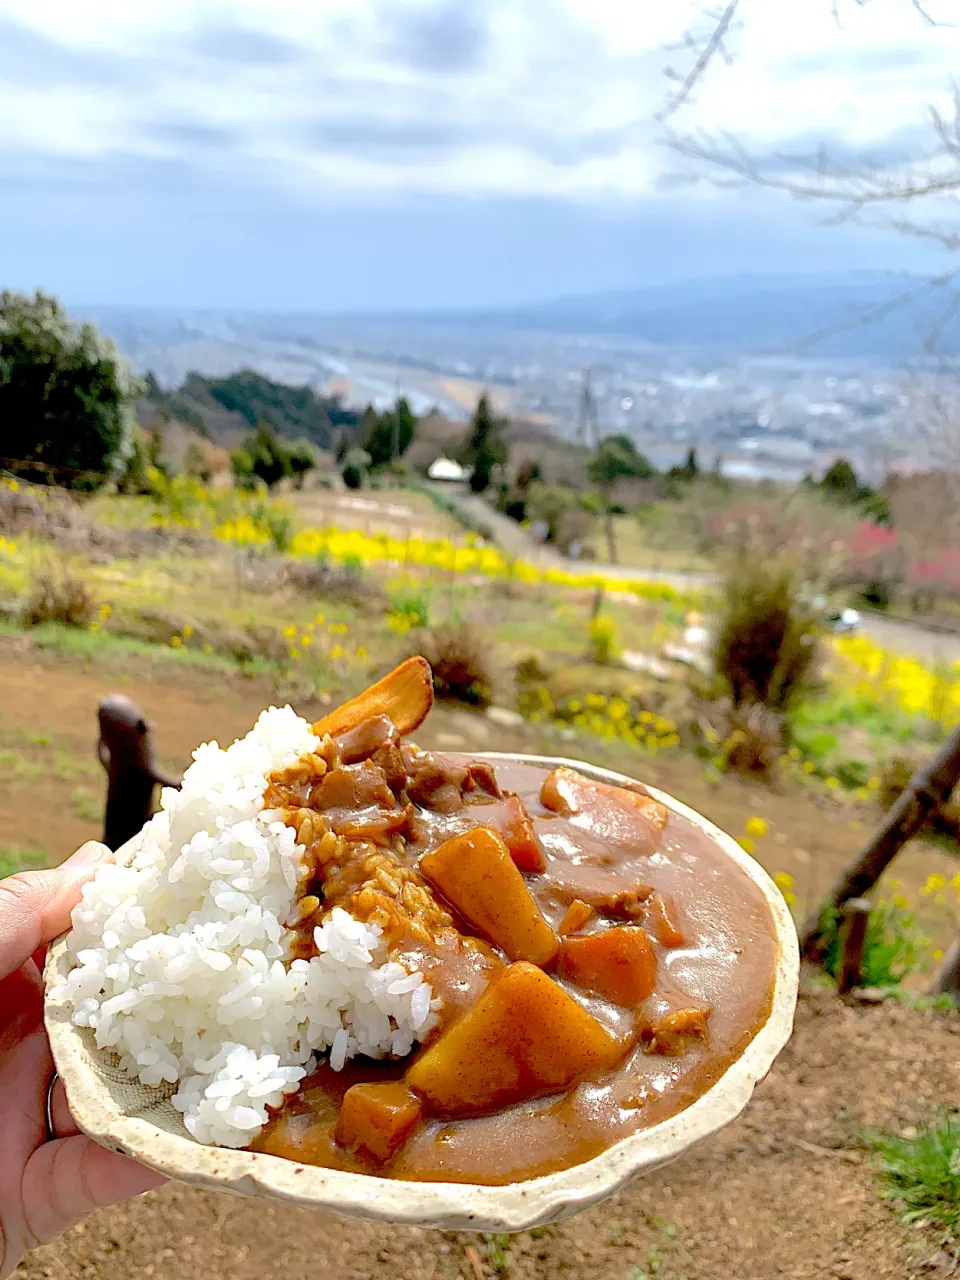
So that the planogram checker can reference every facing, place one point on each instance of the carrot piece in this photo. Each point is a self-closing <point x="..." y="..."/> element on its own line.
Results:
<point x="520" y="837"/>
<point x="524" y="1037"/>
<point x="618" y="964"/>
<point x="474" y="872"/>
<point x="660" y="917"/>
<point x="576" y="916"/>
<point x="405" y="696"/>
<point x="377" y="1119"/>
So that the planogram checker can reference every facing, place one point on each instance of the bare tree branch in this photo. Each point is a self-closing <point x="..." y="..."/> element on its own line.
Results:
<point x="709" y="48"/>
<point x="712" y="45"/>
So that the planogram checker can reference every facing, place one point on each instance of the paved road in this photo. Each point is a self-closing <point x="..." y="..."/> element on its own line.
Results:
<point x="900" y="637"/>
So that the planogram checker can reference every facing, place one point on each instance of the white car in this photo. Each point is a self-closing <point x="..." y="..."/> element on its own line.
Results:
<point x="843" y="621"/>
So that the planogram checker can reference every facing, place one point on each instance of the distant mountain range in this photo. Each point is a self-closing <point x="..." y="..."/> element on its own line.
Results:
<point x="852" y="314"/>
<point x="833" y="314"/>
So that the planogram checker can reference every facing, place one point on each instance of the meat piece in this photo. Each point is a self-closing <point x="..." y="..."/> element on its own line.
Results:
<point x="577" y="915"/>
<point x="474" y="872"/>
<point x="363" y="741"/>
<point x="390" y="760"/>
<point x="672" y="1033"/>
<point x="661" y="918"/>
<point x="377" y="1119"/>
<point x="525" y="1037"/>
<point x="614" y="814"/>
<point x="482" y="777"/>
<point x="434" y="781"/>
<point x="353" y="786"/>
<point x="618" y="964"/>
<point x="376" y="825"/>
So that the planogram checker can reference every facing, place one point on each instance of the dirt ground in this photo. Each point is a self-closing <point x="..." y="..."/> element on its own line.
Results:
<point x="787" y="1191"/>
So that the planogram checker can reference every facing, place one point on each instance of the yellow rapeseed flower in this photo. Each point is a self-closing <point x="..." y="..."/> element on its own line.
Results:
<point x="747" y="844"/>
<point x="175" y="642"/>
<point x="808" y="766"/>
<point x="934" y="883"/>
<point x="306" y="641"/>
<point x="899" y="900"/>
<point x="361" y="652"/>
<point x="833" y="783"/>
<point x="783" y="879"/>
<point x="756" y="827"/>
<point x="336" y="652"/>
<point x="290" y="631"/>
<point x="187" y="632"/>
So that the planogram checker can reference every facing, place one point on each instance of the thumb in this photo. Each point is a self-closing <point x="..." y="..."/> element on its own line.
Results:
<point x="35" y="906"/>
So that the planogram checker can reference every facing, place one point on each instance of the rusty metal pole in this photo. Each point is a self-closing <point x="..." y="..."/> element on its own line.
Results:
<point x="921" y="799"/>
<point x="126" y="751"/>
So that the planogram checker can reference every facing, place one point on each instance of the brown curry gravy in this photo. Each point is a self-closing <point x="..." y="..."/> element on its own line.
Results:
<point x="726" y="965"/>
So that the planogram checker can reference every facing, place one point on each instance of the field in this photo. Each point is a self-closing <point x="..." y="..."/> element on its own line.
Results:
<point x="194" y="612"/>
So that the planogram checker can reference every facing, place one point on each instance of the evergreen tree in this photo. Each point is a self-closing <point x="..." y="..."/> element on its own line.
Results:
<point x="262" y="458"/>
<point x="616" y="458"/>
<point x="388" y="436"/>
<point x="485" y="448"/>
<point x="65" y="396"/>
<point x="840" y="482"/>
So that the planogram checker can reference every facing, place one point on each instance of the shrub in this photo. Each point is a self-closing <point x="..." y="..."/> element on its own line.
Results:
<point x="409" y="608"/>
<point x="747" y="739"/>
<point x="459" y="655"/>
<point x="603" y="648"/>
<point x="60" y="598"/>
<point x="765" y="640"/>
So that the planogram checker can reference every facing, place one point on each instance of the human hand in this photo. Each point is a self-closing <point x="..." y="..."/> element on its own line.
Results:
<point x="46" y="1182"/>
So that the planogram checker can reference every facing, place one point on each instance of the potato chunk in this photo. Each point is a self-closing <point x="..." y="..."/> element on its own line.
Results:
<point x="474" y="872"/>
<point x="377" y="1119"/>
<point x="618" y="964"/>
<point x="524" y="1037"/>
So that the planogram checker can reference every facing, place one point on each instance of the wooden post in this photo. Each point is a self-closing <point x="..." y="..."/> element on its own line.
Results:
<point x="853" y="935"/>
<point x="921" y="799"/>
<point x="948" y="979"/>
<point x="597" y="604"/>
<point x="126" y="752"/>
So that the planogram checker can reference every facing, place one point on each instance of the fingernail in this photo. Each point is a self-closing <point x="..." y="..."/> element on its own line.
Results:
<point x="88" y="855"/>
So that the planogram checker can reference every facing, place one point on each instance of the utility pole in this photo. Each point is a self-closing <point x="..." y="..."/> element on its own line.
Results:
<point x="396" y="429"/>
<point x="587" y="428"/>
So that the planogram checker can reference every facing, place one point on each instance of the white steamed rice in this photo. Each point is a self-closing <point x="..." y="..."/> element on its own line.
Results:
<point x="181" y="961"/>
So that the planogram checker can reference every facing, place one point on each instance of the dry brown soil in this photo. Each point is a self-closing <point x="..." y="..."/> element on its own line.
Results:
<point x="786" y="1191"/>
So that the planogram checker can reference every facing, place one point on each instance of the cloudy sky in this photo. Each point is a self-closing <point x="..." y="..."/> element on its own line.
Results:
<point x="328" y="154"/>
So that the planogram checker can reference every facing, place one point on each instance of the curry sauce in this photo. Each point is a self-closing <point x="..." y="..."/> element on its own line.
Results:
<point x="597" y="962"/>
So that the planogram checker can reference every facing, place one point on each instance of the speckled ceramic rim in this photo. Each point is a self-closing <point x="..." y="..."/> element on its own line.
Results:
<point x="438" y="1204"/>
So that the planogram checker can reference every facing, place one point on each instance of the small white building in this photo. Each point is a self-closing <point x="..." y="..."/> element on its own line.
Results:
<point x="445" y="469"/>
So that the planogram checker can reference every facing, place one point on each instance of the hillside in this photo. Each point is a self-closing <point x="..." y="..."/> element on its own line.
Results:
<point x="224" y="409"/>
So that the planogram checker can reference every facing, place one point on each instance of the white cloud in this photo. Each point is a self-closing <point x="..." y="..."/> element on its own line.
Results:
<point x="508" y="97"/>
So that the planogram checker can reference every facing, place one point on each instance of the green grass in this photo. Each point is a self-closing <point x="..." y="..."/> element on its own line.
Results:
<point x="102" y="646"/>
<point x="15" y="767"/>
<point x="497" y="1249"/>
<point x="14" y="857"/>
<point x="921" y="1176"/>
